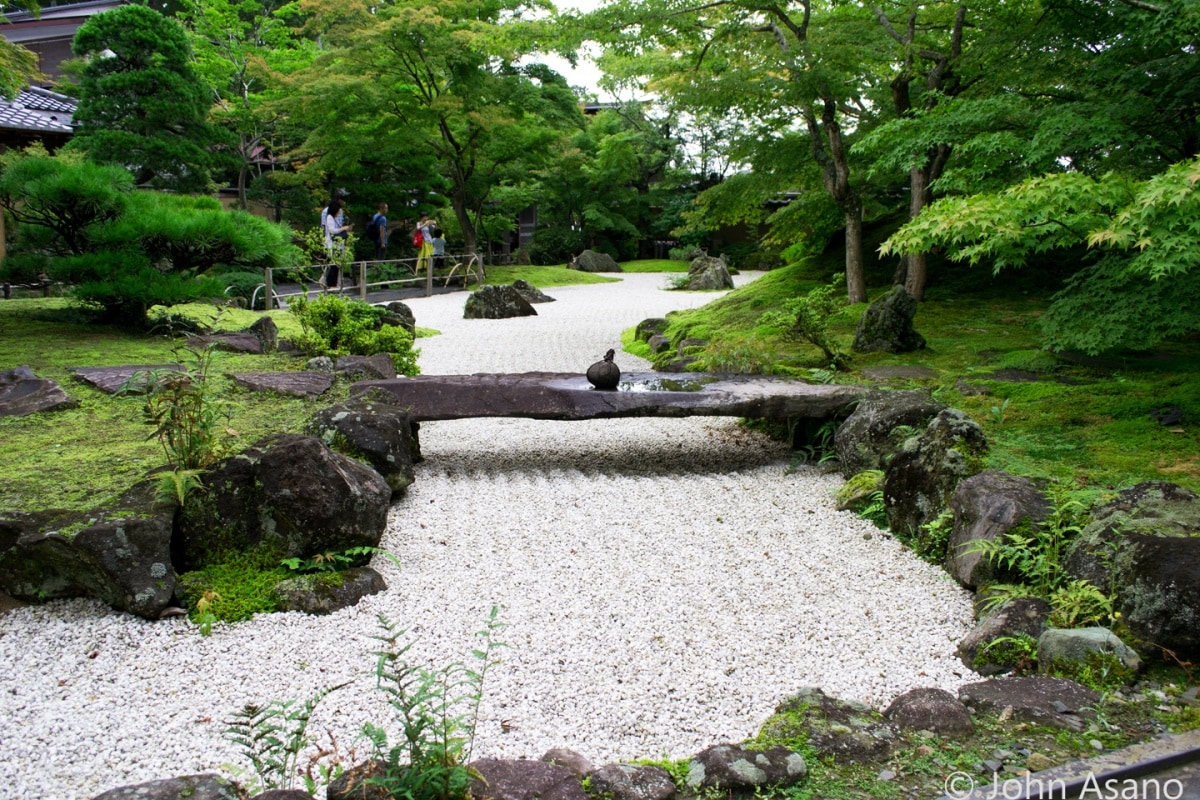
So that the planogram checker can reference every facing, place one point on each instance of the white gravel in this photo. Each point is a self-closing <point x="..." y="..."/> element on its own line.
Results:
<point x="665" y="584"/>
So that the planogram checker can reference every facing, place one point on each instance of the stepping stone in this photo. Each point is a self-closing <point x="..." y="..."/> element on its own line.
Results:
<point x="232" y="342"/>
<point x="111" y="379"/>
<point x="296" y="384"/>
<point x="900" y="371"/>
<point x="23" y="393"/>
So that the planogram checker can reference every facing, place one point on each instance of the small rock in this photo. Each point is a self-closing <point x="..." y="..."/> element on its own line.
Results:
<point x="1096" y="744"/>
<point x="991" y="765"/>
<point x="1038" y="762"/>
<point x="887" y="775"/>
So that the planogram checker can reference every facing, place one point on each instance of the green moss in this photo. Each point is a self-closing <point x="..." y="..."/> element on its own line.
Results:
<point x="237" y="588"/>
<point x="1102" y="672"/>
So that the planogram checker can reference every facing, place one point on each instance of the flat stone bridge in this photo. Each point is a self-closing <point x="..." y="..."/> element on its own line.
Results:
<point x="566" y="396"/>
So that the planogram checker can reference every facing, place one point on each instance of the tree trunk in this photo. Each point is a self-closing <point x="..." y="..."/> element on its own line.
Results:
<point x="856" y="281"/>
<point x="914" y="279"/>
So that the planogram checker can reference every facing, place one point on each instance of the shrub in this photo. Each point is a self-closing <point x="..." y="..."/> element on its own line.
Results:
<point x="336" y="327"/>
<point x="807" y="319"/>
<point x="554" y="246"/>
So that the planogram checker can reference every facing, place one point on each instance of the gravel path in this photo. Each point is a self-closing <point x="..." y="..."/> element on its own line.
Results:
<point x="666" y="582"/>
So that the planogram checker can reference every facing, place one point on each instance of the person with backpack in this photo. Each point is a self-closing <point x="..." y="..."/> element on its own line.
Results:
<point x="377" y="231"/>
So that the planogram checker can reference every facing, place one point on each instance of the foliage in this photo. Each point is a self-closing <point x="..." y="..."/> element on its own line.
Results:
<point x="271" y="737"/>
<point x="177" y="484"/>
<point x="1101" y="672"/>
<point x="740" y="357"/>
<point x="808" y="319"/>
<point x="436" y="711"/>
<point x="932" y="541"/>
<point x="1018" y="651"/>
<point x="333" y="562"/>
<point x="184" y="407"/>
<point x="863" y="494"/>
<point x="141" y="103"/>
<point x="336" y="327"/>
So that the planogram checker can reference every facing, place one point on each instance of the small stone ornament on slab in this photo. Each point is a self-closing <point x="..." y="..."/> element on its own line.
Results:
<point x="604" y="374"/>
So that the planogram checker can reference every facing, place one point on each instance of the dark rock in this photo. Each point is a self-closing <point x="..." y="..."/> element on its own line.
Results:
<point x="887" y="325"/>
<point x="986" y="507"/>
<point x="135" y="553"/>
<point x="691" y="343"/>
<point x="868" y="438"/>
<point x="352" y="785"/>
<point x="1022" y="615"/>
<point x="836" y="728"/>
<point x="290" y="492"/>
<point x="283" y="794"/>
<point x="629" y="782"/>
<point x="578" y="764"/>
<point x="293" y="384"/>
<point x="920" y="479"/>
<point x="267" y="332"/>
<point x="379" y="367"/>
<point x="658" y="344"/>
<point x="1170" y="415"/>
<point x="679" y="365"/>
<point x="114" y="379"/>
<point x="567" y="396"/>
<point x="1145" y="545"/>
<point x="1058" y="646"/>
<point x="706" y="273"/>
<point x="654" y="326"/>
<point x="23" y="393"/>
<point x="730" y="768"/>
<point x="1033" y="699"/>
<point x="371" y="429"/>
<point x="531" y="293"/>
<point x="931" y="710"/>
<point x="498" y="779"/>
<point x="189" y="787"/>
<point x="592" y="261"/>
<point x="45" y="565"/>
<point x="319" y="364"/>
<point x="230" y="342"/>
<point x="497" y="302"/>
<point x="324" y="593"/>
<point x="401" y="310"/>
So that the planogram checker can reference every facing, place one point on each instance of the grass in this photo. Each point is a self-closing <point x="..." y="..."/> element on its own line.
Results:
<point x="544" y="277"/>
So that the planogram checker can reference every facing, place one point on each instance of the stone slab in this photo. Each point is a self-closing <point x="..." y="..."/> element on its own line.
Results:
<point x="23" y="393"/>
<point x="566" y="396"/>
<point x="295" y="384"/>
<point x="111" y="379"/>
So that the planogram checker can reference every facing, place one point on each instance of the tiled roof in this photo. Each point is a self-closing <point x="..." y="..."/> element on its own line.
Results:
<point x="38" y="110"/>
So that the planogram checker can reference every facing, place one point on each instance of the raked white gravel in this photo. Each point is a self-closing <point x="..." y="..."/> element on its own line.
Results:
<point x="665" y="583"/>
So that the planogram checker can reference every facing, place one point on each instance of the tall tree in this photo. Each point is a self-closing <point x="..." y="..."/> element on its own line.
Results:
<point x="808" y="66"/>
<point x="141" y="103"/>
<point x="435" y="87"/>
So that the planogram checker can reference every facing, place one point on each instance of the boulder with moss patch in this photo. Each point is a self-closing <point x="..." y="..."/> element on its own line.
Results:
<point x="1006" y="637"/>
<point x="920" y="480"/>
<point x="879" y="426"/>
<point x="986" y="508"/>
<point x="1074" y="649"/>
<point x="594" y="261"/>
<point x="326" y="592"/>
<point x="1144" y="547"/>
<point x="838" y="728"/>
<point x="734" y="769"/>
<point x="887" y="325"/>
<point x="370" y="428"/>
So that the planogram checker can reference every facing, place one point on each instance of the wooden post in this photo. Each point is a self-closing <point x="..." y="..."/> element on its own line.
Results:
<point x="362" y="281"/>
<point x="269" y="288"/>
<point x="429" y="276"/>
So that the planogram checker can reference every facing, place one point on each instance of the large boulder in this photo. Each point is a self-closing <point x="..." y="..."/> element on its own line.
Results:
<point x="887" y="325"/>
<point x="23" y="393"/>
<point x="1060" y="648"/>
<point x="501" y="779"/>
<point x="832" y="727"/>
<point x="929" y="709"/>
<point x="531" y="292"/>
<point x="1144" y="545"/>
<point x="631" y="782"/>
<point x="399" y="314"/>
<point x="379" y="367"/>
<point x="733" y="769"/>
<point x="497" y="302"/>
<point x="650" y="327"/>
<point x="188" y="787"/>
<point x="376" y="431"/>
<point x="290" y="492"/>
<point x="267" y="332"/>
<point x="325" y="592"/>
<point x="986" y="507"/>
<point x="920" y="479"/>
<point x="706" y="273"/>
<point x="1055" y="702"/>
<point x="592" y="261"/>
<point x="879" y="426"/>
<point x="989" y="648"/>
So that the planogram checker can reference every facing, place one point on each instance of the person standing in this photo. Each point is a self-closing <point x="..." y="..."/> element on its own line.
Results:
<point x="332" y="218"/>
<point x="423" y="239"/>
<point x="379" y="229"/>
<point x="439" y="248"/>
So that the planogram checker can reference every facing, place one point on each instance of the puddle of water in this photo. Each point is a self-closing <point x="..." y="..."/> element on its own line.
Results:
<point x="666" y="385"/>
